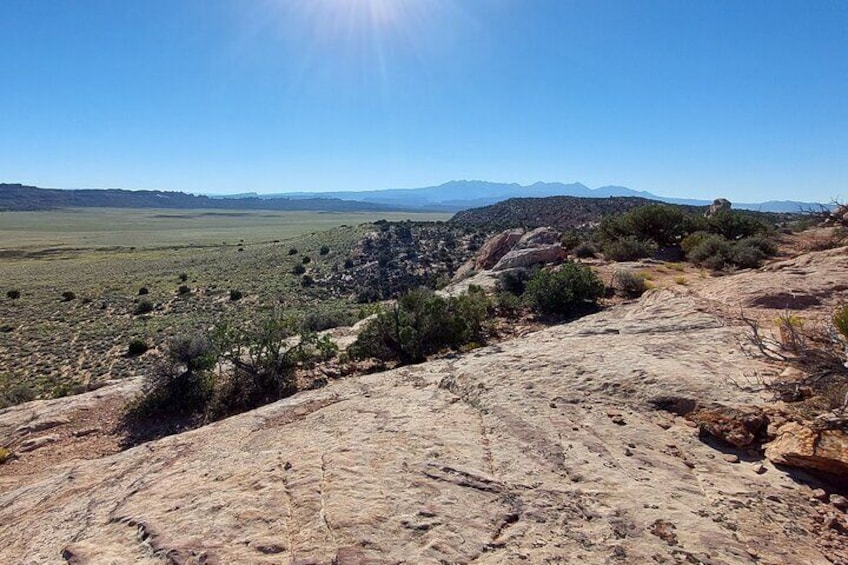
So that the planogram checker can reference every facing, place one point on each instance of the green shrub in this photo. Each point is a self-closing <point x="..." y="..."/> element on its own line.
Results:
<point x="12" y="394"/>
<point x="13" y="294"/>
<point x="629" y="283"/>
<point x="840" y="321"/>
<point x="423" y="323"/>
<point x="293" y="251"/>
<point x="137" y="347"/>
<point x="263" y="358"/>
<point x="325" y="319"/>
<point x="584" y="250"/>
<point x="348" y="263"/>
<point x="143" y="290"/>
<point x="628" y="249"/>
<point x="569" y="240"/>
<point x="182" y="384"/>
<point x="660" y="224"/>
<point x="183" y="289"/>
<point x="143" y="307"/>
<point x="324" y="250"/>
<point x="67" y="296"/>
<point x="235" y="295"/>
<point x="514" y="281"/>
<point x="183" y="277"/>
<point x="693" y="240"/>
<point x="564" y="291"/>
<point x="298" y="269"/>
<point x="734" y="225"/>
<point x="306" y="281"/>
<point x="712" y="251"/>
<point x="764" y="244"/>
<point x="306" y="259"/>
<point x="746" y="256"/>
<point x="508" y="304"/>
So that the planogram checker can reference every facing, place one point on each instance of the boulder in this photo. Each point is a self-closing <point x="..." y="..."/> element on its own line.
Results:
<point x="740" y="427"/>
<point x="532" y="256"/>
<point x="718" y="205"/>
<point x="539" y="237"/>
<point x="801" y="446"/>
<point x="496" y="247"/>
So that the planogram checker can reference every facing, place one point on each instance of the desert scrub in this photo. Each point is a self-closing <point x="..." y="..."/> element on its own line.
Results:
<point x="629" y="283"/>
<point x="423" y="323"/>
<point x="137" y="347"/>
<point x="657" y="225"/>
<point x="143" y="290"/>
<point x="13" y="393"/>
<point x="235" y="295"/>
<point x="68" y="295"/>
<point x="183" y="289"/>
<point x="298" y="269"/>
<point x="13" y="294"/>
<point x="262" y="360"/>
<point x="182" y="384"/>
<point x="508" y="305"/>
<point x="514" y="281"/>
<point x="327" y="318"/>
<point x="565" y="291"/>
<point x="628" y="248"/>
<point x="325" y="250"/>
<point x="144" y="306"/>
<point x="584" y="250"/>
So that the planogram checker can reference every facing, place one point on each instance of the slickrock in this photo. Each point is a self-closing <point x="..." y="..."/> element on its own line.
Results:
<point x="506" y="454"/>
<point x="527" y="257"/>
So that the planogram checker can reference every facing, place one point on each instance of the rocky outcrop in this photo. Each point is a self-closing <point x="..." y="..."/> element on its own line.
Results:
<point x="543" y="449"/>
<point x="719" y="205"/>
<point x="539" y="237"/>
<point x="798" y="445"/>
<point x="495" y="248"/>
<point x="515" y="249"/>
<point x="527" y="257"/>
<point x="739" y="427"/>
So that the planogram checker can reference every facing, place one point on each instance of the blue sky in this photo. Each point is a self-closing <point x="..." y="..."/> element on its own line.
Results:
<point x="742" y="99"/>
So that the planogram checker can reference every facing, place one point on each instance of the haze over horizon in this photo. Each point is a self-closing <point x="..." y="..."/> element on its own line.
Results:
<point x="689" y="100"/>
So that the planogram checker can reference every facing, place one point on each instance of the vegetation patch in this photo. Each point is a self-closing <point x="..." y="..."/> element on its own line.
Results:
<point x="422" y="323"/>
<point x="566" y="291"/>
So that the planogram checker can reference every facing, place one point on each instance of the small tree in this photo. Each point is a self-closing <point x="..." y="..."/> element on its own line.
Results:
<point x="565" y="291"/>
<point x="137" y="347"/>
<point x="143" y="307"/>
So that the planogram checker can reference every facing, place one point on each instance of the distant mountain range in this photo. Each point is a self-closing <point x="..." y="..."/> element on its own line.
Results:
<point x="453" y="196"/>
<point x="460" y="195"/>
<point x="17" y="197"/>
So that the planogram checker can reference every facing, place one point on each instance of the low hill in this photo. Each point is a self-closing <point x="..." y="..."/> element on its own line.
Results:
<point x="570" y="212"/>
<point x="18" y="197"/>
<point x="560" y="212"/>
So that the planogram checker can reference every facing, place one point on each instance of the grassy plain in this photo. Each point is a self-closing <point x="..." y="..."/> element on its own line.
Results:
<point x="104" y="257"/>
<point x="144" y="228"/>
